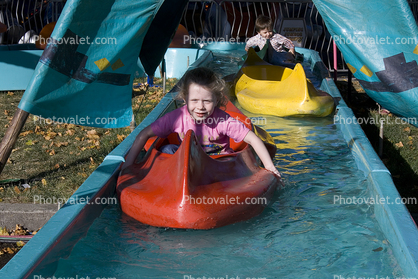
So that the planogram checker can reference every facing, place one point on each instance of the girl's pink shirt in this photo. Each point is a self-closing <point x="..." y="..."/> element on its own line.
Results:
<point x="213" y="134"/>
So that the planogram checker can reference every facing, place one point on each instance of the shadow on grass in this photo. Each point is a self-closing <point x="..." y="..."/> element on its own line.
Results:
<point x="404" y="177"/>
<point x="49" y="173"/>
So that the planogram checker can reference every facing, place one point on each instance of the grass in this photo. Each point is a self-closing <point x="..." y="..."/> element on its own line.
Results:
<point x="54" y="159"/>
<point x="400" y="141"/>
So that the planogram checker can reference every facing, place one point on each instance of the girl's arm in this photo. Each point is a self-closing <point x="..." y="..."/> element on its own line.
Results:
<point x="137" y="146"/>
<point x="261" y="151"/>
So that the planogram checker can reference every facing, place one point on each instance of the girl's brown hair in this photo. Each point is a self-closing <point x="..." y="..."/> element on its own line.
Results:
<point x="207" y="78"/>
<point x="263" y="22"/>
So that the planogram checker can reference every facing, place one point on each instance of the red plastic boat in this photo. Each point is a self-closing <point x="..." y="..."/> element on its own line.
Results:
<point x="192" y="190"/>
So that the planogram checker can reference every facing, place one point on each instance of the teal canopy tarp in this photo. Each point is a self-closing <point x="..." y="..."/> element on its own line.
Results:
<point x="85" y="74"/>
<point x="379" y="42"/>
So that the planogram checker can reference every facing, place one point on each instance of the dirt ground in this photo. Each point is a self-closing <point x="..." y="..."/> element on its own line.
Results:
<point x="7" y="251"/>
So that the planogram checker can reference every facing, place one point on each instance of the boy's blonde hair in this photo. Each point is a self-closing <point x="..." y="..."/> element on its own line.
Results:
<point x="207" y="78"/>
<point x="263" y="22"/>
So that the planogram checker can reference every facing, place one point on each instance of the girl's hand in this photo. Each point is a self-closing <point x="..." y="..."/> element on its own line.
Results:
<point x="274" y="170"/>
<point x="261" y="151"/>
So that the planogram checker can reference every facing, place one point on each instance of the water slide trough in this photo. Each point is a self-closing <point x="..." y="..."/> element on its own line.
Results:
<point x="40" y="256"/>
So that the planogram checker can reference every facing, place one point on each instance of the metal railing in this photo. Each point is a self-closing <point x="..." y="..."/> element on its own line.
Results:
<point x="202" y="18"/>
<point x="22" y="16"/>
<point x="235" y="19"/>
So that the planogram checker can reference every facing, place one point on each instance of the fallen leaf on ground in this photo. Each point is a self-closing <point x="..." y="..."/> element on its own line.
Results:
<point x="121" y="137"/>
<point x="50" y="135"/>
<point x="3" y="231"/>
<point x="8" y="250"/>
<point x="399" y="144"/>
<point x="92" y="134"/>
<point x="70" y="132"/>
<point x="24" y="134"/>
<point x="59" y="144"/>
<point x="30" y="142"/>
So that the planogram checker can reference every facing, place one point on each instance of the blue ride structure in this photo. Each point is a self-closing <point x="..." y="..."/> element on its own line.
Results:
<point x="379" y="41"/>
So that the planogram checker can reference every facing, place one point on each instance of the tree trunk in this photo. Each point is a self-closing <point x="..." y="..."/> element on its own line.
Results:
<point x="11" y="136"/>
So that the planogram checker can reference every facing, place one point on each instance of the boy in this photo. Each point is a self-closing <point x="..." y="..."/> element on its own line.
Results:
<point x="284" y="48"/>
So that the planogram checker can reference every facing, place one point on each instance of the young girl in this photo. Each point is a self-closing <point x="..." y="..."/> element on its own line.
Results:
<point x="202" y="92"/>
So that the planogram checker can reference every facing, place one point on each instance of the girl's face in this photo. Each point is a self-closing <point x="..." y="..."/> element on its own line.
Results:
<point x="266" y="33"/>
<point x="201" y="102"/>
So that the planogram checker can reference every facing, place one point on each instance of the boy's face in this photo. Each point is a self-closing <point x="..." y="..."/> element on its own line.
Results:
<point x="266" y="33"/>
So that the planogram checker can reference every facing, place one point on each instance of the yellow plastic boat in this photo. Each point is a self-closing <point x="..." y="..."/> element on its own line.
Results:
<point x="263" y="88"/>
